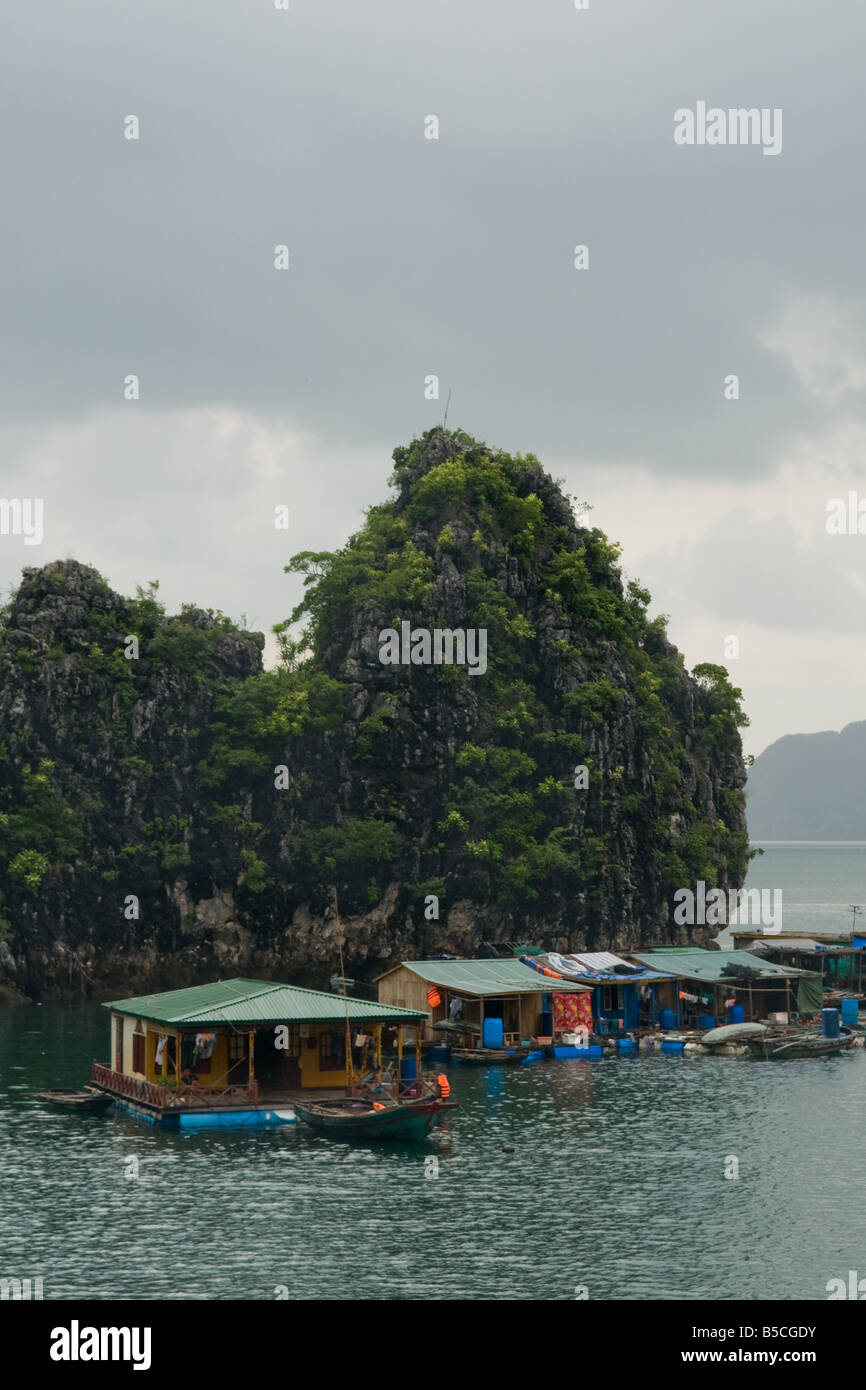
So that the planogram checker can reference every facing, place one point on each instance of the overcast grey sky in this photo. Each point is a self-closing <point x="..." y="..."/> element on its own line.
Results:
<point x="410" y="257"/>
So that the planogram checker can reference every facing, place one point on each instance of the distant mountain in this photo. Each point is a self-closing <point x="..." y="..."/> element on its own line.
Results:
<point x="810" y="787"/>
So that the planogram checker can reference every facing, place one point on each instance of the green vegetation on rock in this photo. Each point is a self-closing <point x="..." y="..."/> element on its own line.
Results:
<point x="231" y="801"/>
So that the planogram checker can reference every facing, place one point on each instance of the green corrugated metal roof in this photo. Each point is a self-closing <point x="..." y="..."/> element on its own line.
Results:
<point x="708" y="965"/>
<point x="255" y="1002"/>
<point x="487" y="977"/>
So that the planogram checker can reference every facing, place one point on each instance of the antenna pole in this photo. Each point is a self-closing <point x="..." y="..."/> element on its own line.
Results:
<point x="350" y="1071"/>
<point x="447" y="403"/>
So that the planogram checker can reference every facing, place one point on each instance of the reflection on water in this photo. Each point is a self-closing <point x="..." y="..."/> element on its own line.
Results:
<point x="616" y="1181"/>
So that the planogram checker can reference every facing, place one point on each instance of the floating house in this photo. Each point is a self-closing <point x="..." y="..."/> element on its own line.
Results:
<point x="234" y="1052"/>
<point x="837" y="959"/>
<point x="717" y="987"/>
<point x="503" y="989"/>
<point x="624" y="996"/>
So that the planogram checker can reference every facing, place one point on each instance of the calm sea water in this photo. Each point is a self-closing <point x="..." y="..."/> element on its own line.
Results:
<point x="819" y="883"/>
<point x="616" y="1181"/>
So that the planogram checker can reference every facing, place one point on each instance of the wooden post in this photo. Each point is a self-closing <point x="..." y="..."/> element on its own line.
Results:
<point x="252" y="1038"/>
<point x="378" y="1035"/>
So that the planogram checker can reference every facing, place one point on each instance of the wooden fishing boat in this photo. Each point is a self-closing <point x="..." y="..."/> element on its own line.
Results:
<point x="730" y="1033"/>
<point x="386" y="1103"/>
<point x="457" y="1026"/>
<point x="354" y="1117"/>
<point x="780" y="1047"/>
<point x="89" y="1099"/>
<point x="490" y="1056"/>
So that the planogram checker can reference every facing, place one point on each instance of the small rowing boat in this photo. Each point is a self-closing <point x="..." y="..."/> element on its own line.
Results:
<point x="90" y="1099"/>
<point x="781" y="1047"/>
<point x="489" y="1056"/>
<point x="353" y="1117"/>
<point x="733" y="1033"/>
<point x="457" y="1026"/>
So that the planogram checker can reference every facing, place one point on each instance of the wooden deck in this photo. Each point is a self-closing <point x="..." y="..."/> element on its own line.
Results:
<point x="200" y="1099"/>
<point x="278" y="1100"/>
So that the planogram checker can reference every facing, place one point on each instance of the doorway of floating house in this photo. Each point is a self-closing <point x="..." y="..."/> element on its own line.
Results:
<point x="238" y="1058"/>
<point x="169" y="1066"/>
<point x="277" y="1068"/>
<point x="507" y="1011"/>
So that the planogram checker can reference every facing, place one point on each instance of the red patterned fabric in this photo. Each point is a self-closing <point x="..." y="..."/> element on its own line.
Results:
<point x="571" y="1012"/>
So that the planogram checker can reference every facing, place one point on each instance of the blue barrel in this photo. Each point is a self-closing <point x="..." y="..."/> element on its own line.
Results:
<point x="439" y="1053"/>
<point x="625" y="1044"/>
<point x="830" y="1023"/>
<point x="850" y="1012"/>
<point x="667" y="1018"/>
<point x="706" y="1022"/>
<point x="736" y="1014"/>
<point x="408" y="1076"/>
<point x="670" y="1045"/>
<point x="493" y="1033"/>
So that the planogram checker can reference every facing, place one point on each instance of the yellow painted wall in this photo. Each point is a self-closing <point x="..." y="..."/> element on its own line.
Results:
<point x="153" y="1071"/>
<point x="311" y="1073"/>
<point x="218" y="1062"/>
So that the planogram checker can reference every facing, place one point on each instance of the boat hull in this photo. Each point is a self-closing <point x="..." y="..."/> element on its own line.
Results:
<point x="86" y="1102"/>
<point x="490" y="1056"/>
<point x="783" y="1048"/>
<point x="337" y="1120"/>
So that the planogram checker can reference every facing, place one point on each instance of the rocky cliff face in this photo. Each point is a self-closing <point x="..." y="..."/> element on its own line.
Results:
<point x="170" y="812"/>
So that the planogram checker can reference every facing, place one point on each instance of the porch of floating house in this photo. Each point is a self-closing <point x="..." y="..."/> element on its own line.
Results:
<point x="619" y="1008"/>
<point x="620" y="1002"/>
<point x="838" y="960"/>
<point x="314" y="1056"/>
<point x="778" y="989"/>
<point x="243" y="1017"/>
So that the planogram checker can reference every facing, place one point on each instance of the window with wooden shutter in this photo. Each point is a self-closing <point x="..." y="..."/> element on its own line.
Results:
<point x="138" y="1052"/>
<point x="332" y="1052"/>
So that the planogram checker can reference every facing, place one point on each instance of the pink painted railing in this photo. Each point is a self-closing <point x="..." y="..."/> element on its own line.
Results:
<point x="172" y="1097"/>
